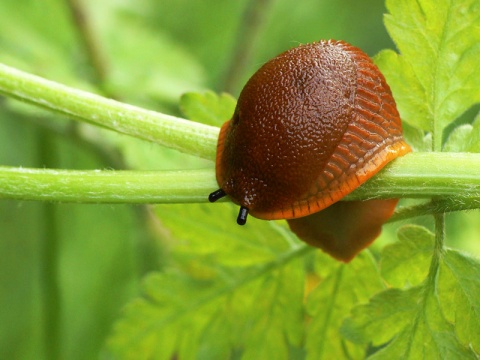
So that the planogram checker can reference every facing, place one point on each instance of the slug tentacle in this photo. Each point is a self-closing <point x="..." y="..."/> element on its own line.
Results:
<point x="218" y="194"/>
<point x="242" y="215"/>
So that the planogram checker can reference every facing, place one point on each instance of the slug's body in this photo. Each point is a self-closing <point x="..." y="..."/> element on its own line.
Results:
<point x="310" y="126"/>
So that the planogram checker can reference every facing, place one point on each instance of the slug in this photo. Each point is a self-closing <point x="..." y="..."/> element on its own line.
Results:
<point x="310" y="126"/>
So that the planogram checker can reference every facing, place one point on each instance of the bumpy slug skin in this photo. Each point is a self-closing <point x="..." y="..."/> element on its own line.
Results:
<point x="310" y="126"/>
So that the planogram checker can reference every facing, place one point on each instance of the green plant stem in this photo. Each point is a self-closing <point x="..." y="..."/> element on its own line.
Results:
<point x="253" y="21"/>
<point x="416" y="175"/>
<point x="420" y="175"/>
<point x="177" y="133"/>
<point x="107" y="186"/>
<point x="439" y="247"/>
<point x="438" y="206"/>
<point x="49" y="259"/>
<point x="49" y="284"/>
<point x="95" y="57"/>
<point x="438" y="253"/>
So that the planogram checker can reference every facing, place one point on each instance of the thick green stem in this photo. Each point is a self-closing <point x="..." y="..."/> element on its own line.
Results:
<point x="419" y="175"/>
<point x="97" y="186"/>
<point x="177" y="133"/>
<point x="416" y="175"/>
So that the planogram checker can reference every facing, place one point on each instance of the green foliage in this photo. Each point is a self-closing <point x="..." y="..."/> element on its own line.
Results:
<point x="436" y="77"/>
<point x="100" y="251"/>
<point x="465" y="138"/>
<point x="431" y="304"/>
<point x="240" y="290"/>
<point x="459" y="291"/>
<point x="45" y="40"/>
<point x="341" y="287"/>
<point x="405" y="263"/>
<point x="414" y="320"/>
<point x="208" y="108"/>
<point x="215" y="290"/>
<point x="438" y="318"/>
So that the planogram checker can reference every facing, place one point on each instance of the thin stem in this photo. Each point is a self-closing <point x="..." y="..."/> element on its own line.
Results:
<point x="435" y="207"/>
<point x="177" y="133"/>
<point x="252" y="24"/>
<point x="439" y="234"/>
<point x="49" y="261"/>
<point x="92" y="48"/>
<point x="438" y="253"/>
<point x="49" y="284"/>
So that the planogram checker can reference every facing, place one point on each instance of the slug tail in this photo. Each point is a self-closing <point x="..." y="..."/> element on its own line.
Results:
<point x="345" y="228"/>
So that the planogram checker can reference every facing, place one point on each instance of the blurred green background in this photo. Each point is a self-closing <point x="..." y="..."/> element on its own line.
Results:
<point x="67" y="270"/>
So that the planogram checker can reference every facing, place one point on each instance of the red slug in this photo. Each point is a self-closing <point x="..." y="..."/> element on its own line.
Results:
<point x="310" y="126"/>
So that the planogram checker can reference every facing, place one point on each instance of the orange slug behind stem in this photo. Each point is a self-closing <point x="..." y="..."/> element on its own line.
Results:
<point x="310" y="126"/>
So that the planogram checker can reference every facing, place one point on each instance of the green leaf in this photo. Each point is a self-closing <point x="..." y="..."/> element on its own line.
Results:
<point x="427" y="335"/>
<point x="208" y="107"/>
<point x="438" y="318"/>
<point x="142" y="64"/>
<point x="383" y="317"/>
<point x="409" y="95"/>
<point x="253" y="309"/>
<point x="410" y="323"/>
<point x="406" y="262"/>
<point x="44" y="40"/>
<point x="464" y="138"/>
<point x="230" y="288"/>
<point x="208" y="234"/>
<point x="416" y="138"/>
<point x="459" y="293"/>
<point x="342" y="286"/>
<point x="459" y="138"/>
<point x="435" y="78"/>
<point x="145" y="66"/>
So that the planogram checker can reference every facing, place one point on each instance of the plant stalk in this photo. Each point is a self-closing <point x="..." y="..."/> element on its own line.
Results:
<point x="49" y="278"/>
<point x="177" y="133"/>
<point x="416" y="175"/>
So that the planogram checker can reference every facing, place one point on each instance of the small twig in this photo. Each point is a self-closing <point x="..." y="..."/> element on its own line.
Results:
<point x="251" y="25"/>
<point x="50" y="260"/>
<point x="91" y="45"/>
<point x="439" y="206"/>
